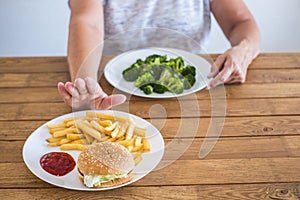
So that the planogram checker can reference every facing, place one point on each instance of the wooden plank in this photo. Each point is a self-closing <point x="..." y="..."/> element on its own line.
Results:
<point x="38" y="64"/>
<point x="30" y="95"/>
<point x="50" y="94"/>
<point x="34" y="111"/>
<point x="26" y="79"/>
<point x="173" y="128"/>
<point x="273" y="76"/>
<point x="223" y="171"/>
<point x="234" y="192"/>
<point x="55" y="64"/>
<point x="33" y="64"/>
<point x="188" y="149"/>
<point x="172" y="108"/>
<point x="32" y="79"/>
<point x="276" y="61"/>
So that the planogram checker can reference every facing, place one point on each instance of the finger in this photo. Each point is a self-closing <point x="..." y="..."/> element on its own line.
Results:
<point x="94" y="88"/>
<point x="112" y="100"/>
<point x="64" y="93"/>
<point x="81" y="87"/>
<point x="223" y="76"/>
<point x="71" y="89"/>
<point x="217" y="66"/>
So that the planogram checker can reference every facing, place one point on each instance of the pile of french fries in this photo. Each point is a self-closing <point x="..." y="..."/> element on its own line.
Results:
<point x="77" y="132"/>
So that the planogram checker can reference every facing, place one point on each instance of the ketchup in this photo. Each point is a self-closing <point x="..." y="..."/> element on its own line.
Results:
<point x="57" y="163"/>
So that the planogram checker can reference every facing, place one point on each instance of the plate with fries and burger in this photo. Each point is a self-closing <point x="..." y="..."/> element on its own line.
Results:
<point x="93" y="150"/>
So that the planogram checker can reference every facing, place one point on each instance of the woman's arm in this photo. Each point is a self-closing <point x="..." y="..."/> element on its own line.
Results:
<point x="86" y="33"/>
<point x="241" y="30"/>
<point x="85" y="45"/>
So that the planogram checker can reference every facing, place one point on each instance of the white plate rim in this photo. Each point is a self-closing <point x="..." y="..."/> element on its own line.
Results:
<point x="60" y="181"/>
<point x="117" y="81"/>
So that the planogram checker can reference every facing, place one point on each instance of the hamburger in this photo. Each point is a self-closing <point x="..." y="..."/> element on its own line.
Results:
<point x="105" y="164"/>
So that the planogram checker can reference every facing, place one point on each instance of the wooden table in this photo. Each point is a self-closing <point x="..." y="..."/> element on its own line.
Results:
<point x="256" y="157"/>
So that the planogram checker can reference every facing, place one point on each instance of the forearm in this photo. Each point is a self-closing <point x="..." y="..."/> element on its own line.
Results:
<point x="246" y="36"/>
<point x="84" y="50"/>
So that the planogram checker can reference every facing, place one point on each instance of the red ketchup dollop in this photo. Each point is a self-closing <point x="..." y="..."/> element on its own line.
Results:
<point x="57" y="163"/>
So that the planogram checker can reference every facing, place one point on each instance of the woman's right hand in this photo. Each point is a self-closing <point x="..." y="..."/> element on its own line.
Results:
<point x="86" y="94"/>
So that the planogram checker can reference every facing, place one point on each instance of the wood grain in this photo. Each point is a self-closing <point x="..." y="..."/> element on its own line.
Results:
<point x="222" y="171"/>
<point x="188" y="149"/>
<point x="214" y="192"/>
<point x="173" y="109"/>
<point x="257" y="155"/>
<point x="50" y="94"/>
<point x="180" y="128"/>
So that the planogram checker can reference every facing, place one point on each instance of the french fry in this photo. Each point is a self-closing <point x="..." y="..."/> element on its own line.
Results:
<point x="52" y="130"/>
<point x="130" y="129"/>
<point x="51" y="126"/>
<point x="97" y="126"/>
<point x="77" y="132"/>
<point x="137" y="148"/>
<point x="80" y="147"/>
<point x="74" y="136"/>
<point x="138" y="141"/>
<point x="68" y="119"/>
<point x="137" y="157"/>
<point x="53" y="144"/>
<point x="105" y="123"/>
<point x="125" y="143"/>
<point x="115" y="132"/>
<point x="70" y="123"/>
<point x="88" y="130"/>
<point x="112" y="127"/>
<point x="140" y="131"/>
<point x="53" y="139"/>
<point x="65" y="131"/>
<point x="79" y="141"/>
<point x="65" y="141"/>
<point x="146" y="144"/>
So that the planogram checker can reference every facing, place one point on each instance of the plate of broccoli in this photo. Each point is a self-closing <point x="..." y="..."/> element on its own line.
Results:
<point x="158" y="72"/>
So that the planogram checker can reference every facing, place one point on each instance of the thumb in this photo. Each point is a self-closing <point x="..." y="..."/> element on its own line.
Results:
<point x="112" y="100"/>
<point x="217" y="66"/>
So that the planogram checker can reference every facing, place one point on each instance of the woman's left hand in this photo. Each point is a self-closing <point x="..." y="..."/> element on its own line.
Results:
<point x="230" y="67"/>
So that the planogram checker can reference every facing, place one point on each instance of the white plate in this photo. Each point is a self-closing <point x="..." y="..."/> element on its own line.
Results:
<point x="36" y="146"/>
<point x="114" y="68"/>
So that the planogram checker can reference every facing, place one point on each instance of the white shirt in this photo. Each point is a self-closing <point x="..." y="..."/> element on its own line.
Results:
<point x="133" y="24"/>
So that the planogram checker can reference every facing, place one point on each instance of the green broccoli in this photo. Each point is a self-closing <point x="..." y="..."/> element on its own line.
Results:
<point x="171" y="63"/>
<point x="166" y="73"/>
<point x="175" y="85"/>
<point x="189" y="70"/>
<point x="179" y="65"/>
<point x="131" y="73"/>
<point x="188" y="81"/>
<point x="159" y="88"/>
<point x="147" y="89"/>
<point x="144" y="79"/>
<point x="155" y="59"/>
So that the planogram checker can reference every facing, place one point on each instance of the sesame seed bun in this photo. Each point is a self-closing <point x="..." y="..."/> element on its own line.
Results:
<point x="106" y="158"/>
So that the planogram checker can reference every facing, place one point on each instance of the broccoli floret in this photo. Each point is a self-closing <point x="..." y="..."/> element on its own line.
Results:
<point x="188" y="81"/>
<point x="179" y="65"/>
<point x="148" y="89"/>
<point x="131" y="73"/>
<point x="159" y="88"/>
<point x="155" y="59"/>
<point x="189" y="70"/>
<point x="144" y="79"/>
<point x="171" y="63"/>
<point x="156" y="71"/>
<point x="175" y="85"/>
<point x="166" y="73"/>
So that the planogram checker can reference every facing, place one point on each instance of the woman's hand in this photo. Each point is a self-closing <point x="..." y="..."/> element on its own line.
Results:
<point x="230" y="67"/>
<point x="87" y="94"/>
